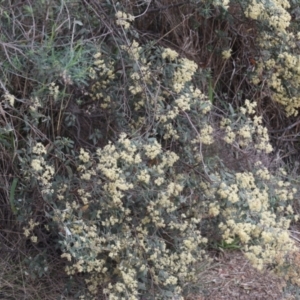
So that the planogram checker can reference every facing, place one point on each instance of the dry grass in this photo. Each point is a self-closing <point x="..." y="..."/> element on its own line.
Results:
<point x="18" y="281"/>
<point x="233" y="277"/>
<point x="19" y="275"/>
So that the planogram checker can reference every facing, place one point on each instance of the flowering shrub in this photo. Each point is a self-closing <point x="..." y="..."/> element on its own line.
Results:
<point x="278" y="44"/>
<point x="125" y="214"/>
<point x="130" y="212"/>
<point x="126" y="217"/>
<point x="134" y="211"/>
<point x="257" y="209"/>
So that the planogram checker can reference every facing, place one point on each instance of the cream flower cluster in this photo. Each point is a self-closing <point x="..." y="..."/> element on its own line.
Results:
<point x="255" y="10"/>
<point x="188" y="106"/>
<point x="229" y="192"/>
<point x="43" y="171"/>
<point x="153" y="149"/>
<point x="170" y="132"/>
<point x="103" y="68"/>
<point x="229" y="135"/>
<point x="124" y="19"/>
<point x="214" y="209"/>
<point x="103" y="73"/>
<point x="287" y="70"/>
<point x="28" y="230"/>
<point x="34" y="103"/>
<point x="133" y="50"/>
<point x="84" y="156"/>
<point x="275" y="13"/>
<point x="205" y="137"/>
<point x="183" y="102"/>
<point x="248" y="133"/>
<point x="169" y="54"/>
<point x="140" y="80"/>
<point x="54" y="90"/>
<point x="226" y="54"/>
<point x="183" y="74"/>
<point x="9" y="98"/>
<point x="39" y="149"/>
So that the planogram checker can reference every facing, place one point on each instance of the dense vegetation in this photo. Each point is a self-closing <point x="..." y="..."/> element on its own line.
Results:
<point x="136" y="136"/>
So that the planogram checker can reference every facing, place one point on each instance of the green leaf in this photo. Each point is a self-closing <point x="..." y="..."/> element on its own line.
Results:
<point x="12" y="195"/>
<point x="78" y="22"/>
<point x="69" y="170"/>
<point x="142" y="286"/>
